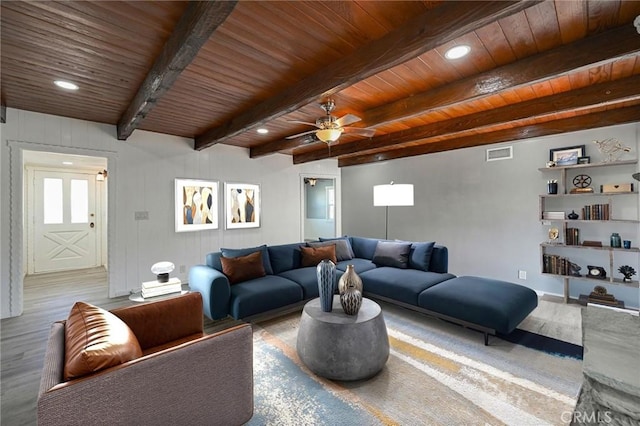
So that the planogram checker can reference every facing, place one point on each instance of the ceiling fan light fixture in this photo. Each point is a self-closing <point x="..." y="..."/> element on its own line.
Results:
<point x="328" y="135"/>
<point x="457" y="52"/>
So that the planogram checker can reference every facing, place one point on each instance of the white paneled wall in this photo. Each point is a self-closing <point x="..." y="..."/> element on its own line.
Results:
<point x="141" y="179"/>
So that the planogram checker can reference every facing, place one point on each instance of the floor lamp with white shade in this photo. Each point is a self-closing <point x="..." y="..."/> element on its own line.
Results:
<point x="392" y="195"/>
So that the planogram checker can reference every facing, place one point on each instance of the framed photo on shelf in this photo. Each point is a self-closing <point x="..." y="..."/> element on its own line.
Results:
<point x="566" y="156"/>
<point x="584" y="160"/>
<point x="242" y="205"/>
<point x="196" y="205"/>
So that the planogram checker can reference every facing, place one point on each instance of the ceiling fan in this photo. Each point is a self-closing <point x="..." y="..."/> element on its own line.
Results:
<point x="330" y="128"/>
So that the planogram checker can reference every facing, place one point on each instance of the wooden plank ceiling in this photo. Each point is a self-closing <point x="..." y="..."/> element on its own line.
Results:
<point x="217" y="71"/>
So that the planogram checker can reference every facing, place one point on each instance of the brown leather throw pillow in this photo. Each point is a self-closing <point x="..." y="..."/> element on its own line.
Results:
<point x="243" y="268"/>
<point x="311" y="256"/>
<point x="96" y="339"/>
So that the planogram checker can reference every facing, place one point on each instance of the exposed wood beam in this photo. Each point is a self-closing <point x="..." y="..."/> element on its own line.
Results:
<point x="573" y="124"/>
<point x="603" y="47"/>
<point x="587" y="52"/>
<point x="273" y="147"/>
<point x="199" y="21"/>
<point x="598" y="94"/>
<point x="433" y="28"/>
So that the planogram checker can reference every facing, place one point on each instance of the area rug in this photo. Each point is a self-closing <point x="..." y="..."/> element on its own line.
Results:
<point x="543" y="343"/>
<point x="437" y="374"/>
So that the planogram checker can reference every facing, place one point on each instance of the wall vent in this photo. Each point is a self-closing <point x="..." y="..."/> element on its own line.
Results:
<point x="504" y="153"/>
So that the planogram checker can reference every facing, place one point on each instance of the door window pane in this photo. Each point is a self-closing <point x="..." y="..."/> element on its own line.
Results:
<point x="331" y="203"/>
<point x="79" y="201"/>
<point x="52" y="201"/>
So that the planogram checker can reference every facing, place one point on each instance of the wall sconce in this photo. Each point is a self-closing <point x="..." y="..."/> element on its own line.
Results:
<point x="101" y="176"/>
<point x="311" y="181"/>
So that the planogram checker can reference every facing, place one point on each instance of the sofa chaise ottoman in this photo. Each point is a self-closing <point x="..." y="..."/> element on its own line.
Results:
<point x="489" y="305"/>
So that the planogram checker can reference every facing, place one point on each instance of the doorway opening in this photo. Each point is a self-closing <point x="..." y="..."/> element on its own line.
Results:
<point x="65" y="215"/>
<point x="319" y="207"/>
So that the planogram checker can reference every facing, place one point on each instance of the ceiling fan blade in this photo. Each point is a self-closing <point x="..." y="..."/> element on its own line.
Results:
<point x="297" y="135"/>
<point x="302" y="122"/>
<point x="308" y="139"/>
<point x="347" y="119"/>
<point x="360" y="131"/>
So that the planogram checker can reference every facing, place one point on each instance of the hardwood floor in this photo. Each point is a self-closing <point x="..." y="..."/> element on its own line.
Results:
<point x="47" y="298"/>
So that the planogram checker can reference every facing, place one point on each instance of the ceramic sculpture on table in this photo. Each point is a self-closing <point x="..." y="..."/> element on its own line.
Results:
<point x="628" y="272"/>
<point x="326" y="273"/>
<point x="350" y="288"/>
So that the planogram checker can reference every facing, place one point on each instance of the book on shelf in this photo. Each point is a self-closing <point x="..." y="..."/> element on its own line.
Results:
<point x="554" y="264"/>
<point x="572" y="237"/>
<point x="553" y="215"/>
<point x="589" y="243"/>
<point x="596" y="212"/>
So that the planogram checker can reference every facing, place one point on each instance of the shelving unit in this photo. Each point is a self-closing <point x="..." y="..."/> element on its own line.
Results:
<point x="608" y="200"/>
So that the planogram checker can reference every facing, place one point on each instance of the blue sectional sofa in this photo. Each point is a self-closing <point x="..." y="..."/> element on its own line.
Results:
<point x="411" y="274"/>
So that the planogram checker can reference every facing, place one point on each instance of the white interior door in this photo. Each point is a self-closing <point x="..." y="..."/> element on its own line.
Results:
<point x="64" y="221"/>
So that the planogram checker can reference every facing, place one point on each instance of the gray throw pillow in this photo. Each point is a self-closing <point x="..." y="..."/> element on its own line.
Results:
<point x="346" y="241"/>
<point x="342" y="250"/>
<point x="392" y="254"/>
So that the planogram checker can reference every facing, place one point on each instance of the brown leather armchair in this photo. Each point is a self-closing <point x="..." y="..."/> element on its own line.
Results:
<point x="182" y="377"/>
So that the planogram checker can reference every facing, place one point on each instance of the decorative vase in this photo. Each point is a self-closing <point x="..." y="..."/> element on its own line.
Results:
<point x="351" y="300"/>
<point x="326" y="273"/>
<point x="350" y="279"/>
<point x="615" y="240"/>
<point x="624" y="280"/>
<point x="573" y="215"/>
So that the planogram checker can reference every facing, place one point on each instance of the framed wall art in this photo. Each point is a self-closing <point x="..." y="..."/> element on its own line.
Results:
<point x="566" y="156"/>
<point x="196" y="205"/>
<point x="242" y="205"/>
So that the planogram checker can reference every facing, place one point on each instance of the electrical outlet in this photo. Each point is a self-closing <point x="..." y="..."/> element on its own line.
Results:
<point x="141" y="215"/>
<point x="183" y="268"/>
<point x="522" y="275"/>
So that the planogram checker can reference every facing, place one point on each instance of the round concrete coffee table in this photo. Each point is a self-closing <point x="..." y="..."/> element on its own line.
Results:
<point x="340" y="346"/>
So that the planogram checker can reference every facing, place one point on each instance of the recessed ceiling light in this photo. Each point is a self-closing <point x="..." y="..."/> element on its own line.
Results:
<point x="262" y="131"/>
<point x="66" y="85"/>
<point x="457" y="52"/>
<point x="67" y="163"/>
